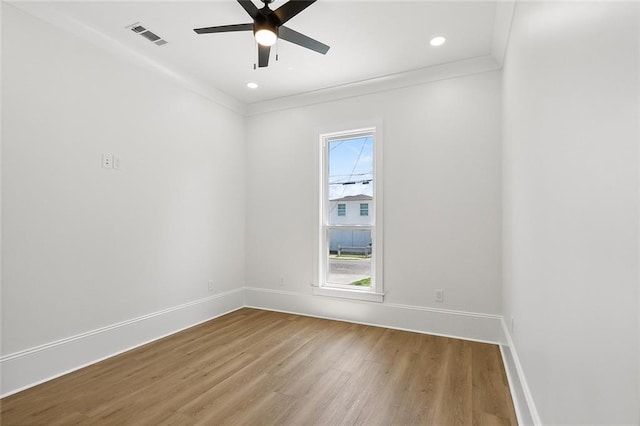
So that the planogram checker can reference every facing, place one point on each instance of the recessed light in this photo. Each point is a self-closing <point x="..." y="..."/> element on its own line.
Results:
<point x="252" y="85"/>
<point x="437" y="41"/>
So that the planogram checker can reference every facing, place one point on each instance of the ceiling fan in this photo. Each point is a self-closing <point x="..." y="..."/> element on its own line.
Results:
<point x="268" y="26"/>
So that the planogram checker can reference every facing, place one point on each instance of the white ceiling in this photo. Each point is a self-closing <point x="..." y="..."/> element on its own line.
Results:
<point x="368" y="39"/>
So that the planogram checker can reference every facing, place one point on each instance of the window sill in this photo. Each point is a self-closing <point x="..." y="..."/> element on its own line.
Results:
<point x="344" y="293"/>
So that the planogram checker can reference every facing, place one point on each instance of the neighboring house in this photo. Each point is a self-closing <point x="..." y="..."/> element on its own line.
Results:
<point x="350" y="210"/>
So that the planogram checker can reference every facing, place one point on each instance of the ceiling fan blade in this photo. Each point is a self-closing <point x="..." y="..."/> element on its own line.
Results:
<point x="263" y="55"/>
<point x="291" y="9"/>
<point x="302" y="40"/>
<point x="224" y="29"/>
<point x="251" y="8"/>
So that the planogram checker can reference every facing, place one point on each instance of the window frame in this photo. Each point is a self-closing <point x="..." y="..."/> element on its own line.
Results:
<point x="365" y="210"/>
<point x="320" y="286"/>
<point x="343" y="211"/>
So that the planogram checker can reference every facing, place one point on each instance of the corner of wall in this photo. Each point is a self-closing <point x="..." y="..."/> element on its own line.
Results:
<point x="502" y="29"/>
<point x="522" y="399"/>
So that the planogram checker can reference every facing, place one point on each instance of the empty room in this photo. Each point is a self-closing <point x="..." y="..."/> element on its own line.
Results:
<point x="321" y="212"/>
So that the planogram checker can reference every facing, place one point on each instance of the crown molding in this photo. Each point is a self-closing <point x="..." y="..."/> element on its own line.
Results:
<point x="380" y="84"/>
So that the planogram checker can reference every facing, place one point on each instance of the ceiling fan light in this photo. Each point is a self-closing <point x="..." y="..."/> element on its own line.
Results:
<point x="266" y="37"/>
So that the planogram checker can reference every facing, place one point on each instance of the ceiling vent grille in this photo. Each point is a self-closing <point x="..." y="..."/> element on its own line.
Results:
<point x="144" y="32"/>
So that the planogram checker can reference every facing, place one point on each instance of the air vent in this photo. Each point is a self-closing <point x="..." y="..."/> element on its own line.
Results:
<point x="150" y="36"/>
<point x="144" y="32"/>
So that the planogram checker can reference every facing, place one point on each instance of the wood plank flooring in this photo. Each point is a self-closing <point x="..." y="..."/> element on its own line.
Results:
<point x="254" y="367"/>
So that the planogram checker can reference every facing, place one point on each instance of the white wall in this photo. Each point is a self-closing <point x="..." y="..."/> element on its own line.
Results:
<point x="442" y="206"/>
<point x="85" y="247"/>
<point x="571" y="207"/>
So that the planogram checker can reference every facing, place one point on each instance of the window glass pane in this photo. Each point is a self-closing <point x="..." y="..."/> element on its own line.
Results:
<point x="364" y="209"/>
<point x="349" y="257"/>
<point x="350" y="180"/>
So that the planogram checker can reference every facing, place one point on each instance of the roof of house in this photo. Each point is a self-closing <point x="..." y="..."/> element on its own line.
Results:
<point x="359" y="197"/>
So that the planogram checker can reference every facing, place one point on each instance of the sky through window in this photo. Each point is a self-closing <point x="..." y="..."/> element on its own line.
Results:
<point x="350" y="167"/>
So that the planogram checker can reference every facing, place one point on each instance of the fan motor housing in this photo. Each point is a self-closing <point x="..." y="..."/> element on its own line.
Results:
<point x="267" y="21"/>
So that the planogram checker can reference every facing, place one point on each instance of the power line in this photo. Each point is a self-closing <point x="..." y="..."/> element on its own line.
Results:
<point x="355" y="174"/>
<point x="352" y="182"/>
<point x="355" y="166"/>
<point x="337" y="145"/>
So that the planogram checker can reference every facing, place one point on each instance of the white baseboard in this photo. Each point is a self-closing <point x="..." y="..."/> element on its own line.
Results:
<point x="33" y="366"/>
<point x="441" y="322"/>
<point x="520" y="393"/>
<point x="36" y="365"/>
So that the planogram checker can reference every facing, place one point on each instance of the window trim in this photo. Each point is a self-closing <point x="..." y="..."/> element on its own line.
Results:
<point x="366" y="208"/>
<point x="343" y="210"/>
<point x="319" y="285"/>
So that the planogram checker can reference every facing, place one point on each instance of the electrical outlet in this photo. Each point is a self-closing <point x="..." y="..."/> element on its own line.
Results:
<point x="210" y="285"/>
<point x="439" y="295"/>
<point x="107" y="161"/>
<point x="116" y="163"/>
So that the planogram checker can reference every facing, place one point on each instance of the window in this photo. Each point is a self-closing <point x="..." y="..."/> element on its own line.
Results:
<point x="349" y="257"/>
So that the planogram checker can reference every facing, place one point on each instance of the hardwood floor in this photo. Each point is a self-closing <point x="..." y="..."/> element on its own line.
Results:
<point x="257" y="367"/>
